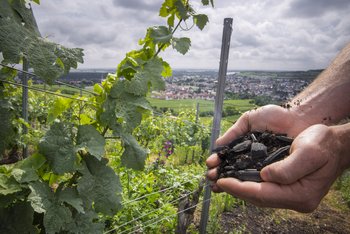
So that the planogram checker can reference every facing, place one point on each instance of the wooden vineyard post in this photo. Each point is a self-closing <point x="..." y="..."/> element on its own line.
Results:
<point x="219" y="99"/>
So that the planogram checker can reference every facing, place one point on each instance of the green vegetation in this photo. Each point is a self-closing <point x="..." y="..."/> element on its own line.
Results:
<point x="204" y="105"/>
<point x="73" y="179"/>
<point x="60" y="88"/>
<point x="104" y="163"/>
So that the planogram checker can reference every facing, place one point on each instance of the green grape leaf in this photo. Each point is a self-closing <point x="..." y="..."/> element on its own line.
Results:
<point x="57" y="146"/>
<point x="183" y="12"/>
<point x="85" y="224"/>
<point x="161" y="34"/>
<point x="107" y="116"/>
<point x="10" y="216"/>
<point x="134" y="155"/>
<point x="24" y="176"/>
<point x="24" y="15"/>
<point x="200" y="20"/>
<point x="150" y="75"/>
<point x="46" y="58"/>
<point x="123" y="107"/>
<point x="167" y="72"/>
<point x="40" y="197"/>
<point x="100" y="186"/>
<point x="127" y="112"/>
<point x="43" y="200"/>
<point x="91" y="140"/>
<point x="166" y="8"/>
<point x="59" y="106"/>
<point x="130" y="116"/>
<point x="71" y="197"/>
<point x="171" y="20"/>
<point x="8" y="185"/>
<point x="70" y="57"/>
<point x="182" y="45"/>
<point x="206" y="2"/>
<point x="25" y="170"/>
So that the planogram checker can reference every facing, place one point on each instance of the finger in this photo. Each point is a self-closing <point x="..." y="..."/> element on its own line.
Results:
<point x="300" y="163"/>
<point x="212" y="174"/>
<point x="241" y="127"/>
<point x="266" y="194"/>
<point x="213" y="161"/>
<point x="215" y="188"/>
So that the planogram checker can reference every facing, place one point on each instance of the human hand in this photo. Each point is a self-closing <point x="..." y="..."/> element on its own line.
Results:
<point x="298" y="182"/>
<point x="270" y="117"/>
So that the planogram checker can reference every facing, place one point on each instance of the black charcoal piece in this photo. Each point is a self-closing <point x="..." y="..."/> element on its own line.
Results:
<point x="229" y="168"/>
<point x="245" y="145"/>
<point x="277" y="155"/>
<point x="249" y="175"/>
<point x="258" y="151"/>
<point x="243" y="162"/>
<point x="285" y="139"/>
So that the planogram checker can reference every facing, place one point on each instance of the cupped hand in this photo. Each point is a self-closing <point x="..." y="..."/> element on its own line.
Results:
<point x="298" y="182"/>
<point x="271" y="117"/>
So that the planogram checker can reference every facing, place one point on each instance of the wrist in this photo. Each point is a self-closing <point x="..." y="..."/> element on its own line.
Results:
<point x="303" y="117"/>
<point x="342" y="133"/>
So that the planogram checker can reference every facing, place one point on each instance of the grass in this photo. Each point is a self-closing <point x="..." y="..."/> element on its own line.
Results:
<point x="183" y="104"/>
<point x="204" y="105"/>
<point x="242" y="105"/>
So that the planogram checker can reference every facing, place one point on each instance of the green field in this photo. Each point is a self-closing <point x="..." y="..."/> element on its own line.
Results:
<point x="242" y="105"/>
<point x="204" y="105"/>
<point x="67" y="90"/>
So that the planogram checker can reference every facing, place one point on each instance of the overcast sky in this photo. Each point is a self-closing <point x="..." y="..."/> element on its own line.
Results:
<point x="267" y="34"/>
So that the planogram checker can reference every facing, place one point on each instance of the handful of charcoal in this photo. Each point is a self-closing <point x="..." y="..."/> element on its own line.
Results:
<point x="244" y="157"/>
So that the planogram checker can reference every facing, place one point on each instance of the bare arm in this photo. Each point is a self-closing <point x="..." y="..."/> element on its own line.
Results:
<point x="327" y="99"/>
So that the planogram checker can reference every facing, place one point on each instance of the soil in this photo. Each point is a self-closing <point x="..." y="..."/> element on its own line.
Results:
<point x="332" y="216"/>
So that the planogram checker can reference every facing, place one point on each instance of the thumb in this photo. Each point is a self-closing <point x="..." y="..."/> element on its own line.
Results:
<point x="241" y="127"/>
<point x="294" y="167"/>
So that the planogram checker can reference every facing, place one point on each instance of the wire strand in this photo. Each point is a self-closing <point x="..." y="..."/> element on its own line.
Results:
<point x="56" y="81"/>
<point x="160" y="191"/>
<point x="159" y="220"/>
<point x="135" y="219"/>
<point x="44" y="91"/>
<point x="75" y="87"/>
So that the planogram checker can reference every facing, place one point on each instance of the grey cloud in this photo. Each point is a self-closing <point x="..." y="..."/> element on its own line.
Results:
<point x="284" y="34"/>
<point x="246" y="40"/>
<point x="153" y="5"/>
<point x="312" y="8"/>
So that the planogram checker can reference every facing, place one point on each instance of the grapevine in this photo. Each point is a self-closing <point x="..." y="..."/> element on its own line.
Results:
<point x="67" y="181"/>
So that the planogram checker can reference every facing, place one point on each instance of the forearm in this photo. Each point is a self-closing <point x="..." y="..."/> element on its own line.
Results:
<point x="327" y="99"/>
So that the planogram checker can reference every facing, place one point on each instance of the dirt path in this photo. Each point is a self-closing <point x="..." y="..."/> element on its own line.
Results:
<point x="332" y="216"/>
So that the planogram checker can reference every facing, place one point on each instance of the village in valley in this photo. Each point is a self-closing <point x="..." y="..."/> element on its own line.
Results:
<point x="278" y="86"/>
<point x="272" y="86"/>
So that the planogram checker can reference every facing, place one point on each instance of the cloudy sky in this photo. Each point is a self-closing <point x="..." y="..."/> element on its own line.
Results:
<point x="267" y="34"/>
